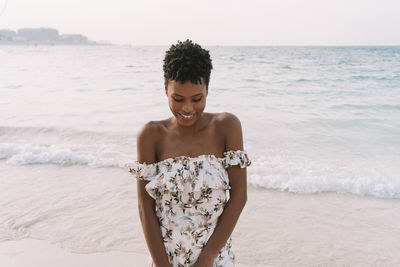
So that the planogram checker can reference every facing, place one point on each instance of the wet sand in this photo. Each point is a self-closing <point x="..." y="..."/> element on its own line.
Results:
<point x="275" y="229"/>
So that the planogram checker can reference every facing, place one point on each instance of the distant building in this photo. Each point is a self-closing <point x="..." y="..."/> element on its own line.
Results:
<point x="73" y="39"/>
<point x="7" y="35"/>
<point x="20" y="39"/>
<point x="40" y="35"/>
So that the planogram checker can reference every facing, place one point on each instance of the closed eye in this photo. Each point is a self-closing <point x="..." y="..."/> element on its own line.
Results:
<point x="197" y="100"/>
<point x="177" y="100"/>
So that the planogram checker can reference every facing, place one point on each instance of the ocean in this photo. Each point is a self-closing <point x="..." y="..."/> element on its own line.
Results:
<point x="314" y="119"/>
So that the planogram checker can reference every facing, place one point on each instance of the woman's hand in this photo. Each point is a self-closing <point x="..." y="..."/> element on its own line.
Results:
<point x="204" y="260"/>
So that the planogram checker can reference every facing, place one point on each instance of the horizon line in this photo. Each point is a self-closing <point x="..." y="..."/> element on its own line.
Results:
<point x="107" y="42"/>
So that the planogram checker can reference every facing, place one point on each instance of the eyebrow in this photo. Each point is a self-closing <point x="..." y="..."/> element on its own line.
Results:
<point x="192" y="95"/>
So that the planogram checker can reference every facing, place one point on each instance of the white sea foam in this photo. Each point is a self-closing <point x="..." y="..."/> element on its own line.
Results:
<point x="280" y="172"/>
<point x="58" y="154"/>
<point x="276" y="171"/>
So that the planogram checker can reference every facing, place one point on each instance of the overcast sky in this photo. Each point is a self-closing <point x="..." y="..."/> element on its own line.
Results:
<point x="214" y="22"/>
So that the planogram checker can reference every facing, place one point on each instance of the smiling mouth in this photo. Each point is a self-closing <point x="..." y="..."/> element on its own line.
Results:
<point x="186" y="117"/>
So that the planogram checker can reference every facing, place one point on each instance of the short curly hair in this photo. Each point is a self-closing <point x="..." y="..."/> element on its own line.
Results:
<point x="187" y="61"/>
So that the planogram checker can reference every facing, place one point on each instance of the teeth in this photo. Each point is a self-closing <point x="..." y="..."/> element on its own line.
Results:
<point x="186" y="116"/>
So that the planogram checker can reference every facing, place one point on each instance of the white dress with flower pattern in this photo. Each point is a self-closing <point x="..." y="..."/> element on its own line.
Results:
<point x="190" y="194"/>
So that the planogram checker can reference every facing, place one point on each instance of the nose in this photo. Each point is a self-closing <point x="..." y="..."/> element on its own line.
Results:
<point x="187" y="107"/>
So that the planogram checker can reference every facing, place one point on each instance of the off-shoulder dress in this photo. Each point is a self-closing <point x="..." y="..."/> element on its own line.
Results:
<point x="190" y="194"/>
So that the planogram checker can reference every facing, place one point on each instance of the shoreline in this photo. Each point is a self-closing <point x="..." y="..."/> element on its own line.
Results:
<point x="79" y="209"/>
<point x="275" y="229"/>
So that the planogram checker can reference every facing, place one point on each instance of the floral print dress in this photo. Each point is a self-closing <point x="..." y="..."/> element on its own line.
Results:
<point x="190" y="195"/>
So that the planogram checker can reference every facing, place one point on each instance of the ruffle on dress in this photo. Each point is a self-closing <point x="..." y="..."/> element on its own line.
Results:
<point x="184" y="173"/>
<point x="232" y="158"/>
<point x="143" y="171"/>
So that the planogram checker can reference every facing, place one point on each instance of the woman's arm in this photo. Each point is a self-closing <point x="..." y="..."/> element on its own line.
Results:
<point x="238" y="195"/>
<point x="146" y="141"/>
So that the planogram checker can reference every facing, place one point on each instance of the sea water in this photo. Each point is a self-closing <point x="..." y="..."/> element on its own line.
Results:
<point x="314" y="119"/>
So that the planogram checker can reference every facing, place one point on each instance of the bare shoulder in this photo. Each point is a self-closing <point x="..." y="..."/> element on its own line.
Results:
<point x="228" y="121"/>
<point x="150" y="130"/>
<point x="230" y="126"/>
<point x="147" y="138"/>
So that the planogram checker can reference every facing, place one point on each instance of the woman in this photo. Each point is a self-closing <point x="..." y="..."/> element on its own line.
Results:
<point x="186" y="166"/>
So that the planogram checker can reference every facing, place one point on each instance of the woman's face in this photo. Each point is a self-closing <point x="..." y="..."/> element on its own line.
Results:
<point x="186" y="101"/>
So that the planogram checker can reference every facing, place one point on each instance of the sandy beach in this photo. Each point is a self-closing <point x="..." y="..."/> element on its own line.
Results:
<point x="328" y="229"/>
<point x="35" y="253"/>
<point x="275" y="229"/>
